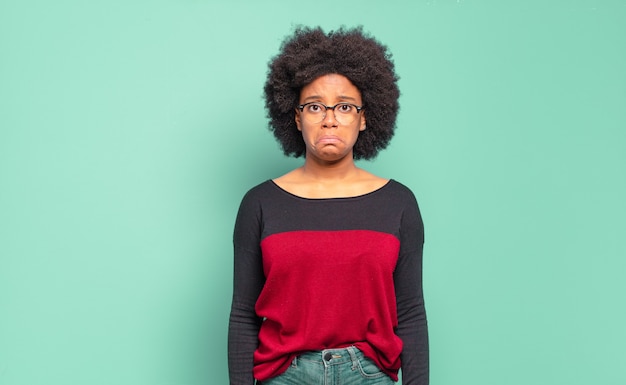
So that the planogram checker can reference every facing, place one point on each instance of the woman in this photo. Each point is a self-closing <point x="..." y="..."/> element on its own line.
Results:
<point x="328" y="257"/>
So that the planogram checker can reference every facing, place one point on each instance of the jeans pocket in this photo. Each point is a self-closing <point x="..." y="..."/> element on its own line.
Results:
<point x="300" y="371"/>
<point x="369" y="369"/>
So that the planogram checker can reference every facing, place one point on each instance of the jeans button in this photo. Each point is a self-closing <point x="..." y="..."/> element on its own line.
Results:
<point x="328" y="356"/>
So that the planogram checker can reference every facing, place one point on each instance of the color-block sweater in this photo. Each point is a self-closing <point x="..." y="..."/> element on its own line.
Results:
<point x="312" y="274"/>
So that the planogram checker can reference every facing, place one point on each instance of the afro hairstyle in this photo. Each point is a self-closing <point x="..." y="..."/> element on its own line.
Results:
<point x="310" y="53"/>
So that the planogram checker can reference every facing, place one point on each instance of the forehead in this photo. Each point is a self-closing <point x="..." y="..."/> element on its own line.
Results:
<point x="331" y="86"/>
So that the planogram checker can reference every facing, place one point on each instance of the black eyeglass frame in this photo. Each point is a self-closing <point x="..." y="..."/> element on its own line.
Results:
<point x="358" y="108"/>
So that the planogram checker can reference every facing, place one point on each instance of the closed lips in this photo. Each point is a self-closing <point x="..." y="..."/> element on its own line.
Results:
<point x="329" y="139"/>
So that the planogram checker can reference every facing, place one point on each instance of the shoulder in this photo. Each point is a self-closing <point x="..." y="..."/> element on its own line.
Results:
<point x="412" y="222"/>
<point x="405" y="198"/>
<point x="253" y="198"/>
<point x="260" y="189"/>
<point x="400" y="191"/>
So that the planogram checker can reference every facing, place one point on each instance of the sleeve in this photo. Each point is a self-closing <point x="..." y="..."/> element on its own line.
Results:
<point x="412" y="326"/>
<point x="248" y="280"/>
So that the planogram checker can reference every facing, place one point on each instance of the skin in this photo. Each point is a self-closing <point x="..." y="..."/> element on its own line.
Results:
<point x="329" y="170"/>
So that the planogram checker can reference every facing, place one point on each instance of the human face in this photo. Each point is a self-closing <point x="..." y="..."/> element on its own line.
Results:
<point x="330" y="140"/>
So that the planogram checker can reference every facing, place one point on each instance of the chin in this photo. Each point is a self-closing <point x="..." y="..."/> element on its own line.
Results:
<point x="334" y="157"/>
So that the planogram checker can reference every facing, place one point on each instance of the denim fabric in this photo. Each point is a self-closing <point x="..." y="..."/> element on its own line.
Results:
<point x="332" y="367"/>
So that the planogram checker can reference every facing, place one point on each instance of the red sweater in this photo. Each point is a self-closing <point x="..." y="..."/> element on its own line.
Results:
<point x="312" y="274"/>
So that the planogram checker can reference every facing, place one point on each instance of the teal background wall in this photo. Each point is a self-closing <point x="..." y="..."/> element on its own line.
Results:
<point x="129" y="131"/>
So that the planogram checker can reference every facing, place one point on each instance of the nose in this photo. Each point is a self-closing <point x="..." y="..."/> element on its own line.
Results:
<point x="329" y="118"/>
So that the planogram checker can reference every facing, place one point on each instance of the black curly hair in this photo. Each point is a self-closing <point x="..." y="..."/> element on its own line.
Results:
<point x="310" y="53"/>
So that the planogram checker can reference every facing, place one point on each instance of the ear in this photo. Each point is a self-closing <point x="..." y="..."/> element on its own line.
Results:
<point x="363" y="121"/>
<point x="297" y="119"/>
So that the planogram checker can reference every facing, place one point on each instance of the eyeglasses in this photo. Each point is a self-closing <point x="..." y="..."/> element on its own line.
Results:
<point x="315" y="112"/>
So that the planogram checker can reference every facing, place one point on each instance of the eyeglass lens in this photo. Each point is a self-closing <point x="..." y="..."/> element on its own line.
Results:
<point x="344" y="113"/>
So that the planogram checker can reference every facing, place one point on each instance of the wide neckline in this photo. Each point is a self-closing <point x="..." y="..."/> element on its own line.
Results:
<point x="389" y="181"/>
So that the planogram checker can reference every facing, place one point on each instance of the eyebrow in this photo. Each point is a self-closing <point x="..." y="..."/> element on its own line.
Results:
<point x="317" y="97"/>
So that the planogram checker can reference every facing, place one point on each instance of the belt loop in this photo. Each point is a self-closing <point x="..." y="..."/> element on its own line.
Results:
<point x="353" y="357"/>
<point x="294" y="363"/>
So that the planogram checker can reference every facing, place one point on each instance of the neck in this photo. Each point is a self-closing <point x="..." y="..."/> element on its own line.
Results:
<point x="323" y="170"/>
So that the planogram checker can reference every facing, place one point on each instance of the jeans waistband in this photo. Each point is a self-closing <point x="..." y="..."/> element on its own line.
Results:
<point x="333" y="356"/>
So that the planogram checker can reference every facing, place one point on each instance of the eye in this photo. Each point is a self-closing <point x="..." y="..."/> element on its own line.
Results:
<point x="344" y="108"/>
<point x="314" y="108"/>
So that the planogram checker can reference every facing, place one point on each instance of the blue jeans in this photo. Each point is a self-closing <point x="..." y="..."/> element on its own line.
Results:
<point x="332" y="367"/>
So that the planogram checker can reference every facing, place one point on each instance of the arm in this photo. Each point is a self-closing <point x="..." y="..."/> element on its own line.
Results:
<point x="412" y="325"/>
<point x="248" y="280"/>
